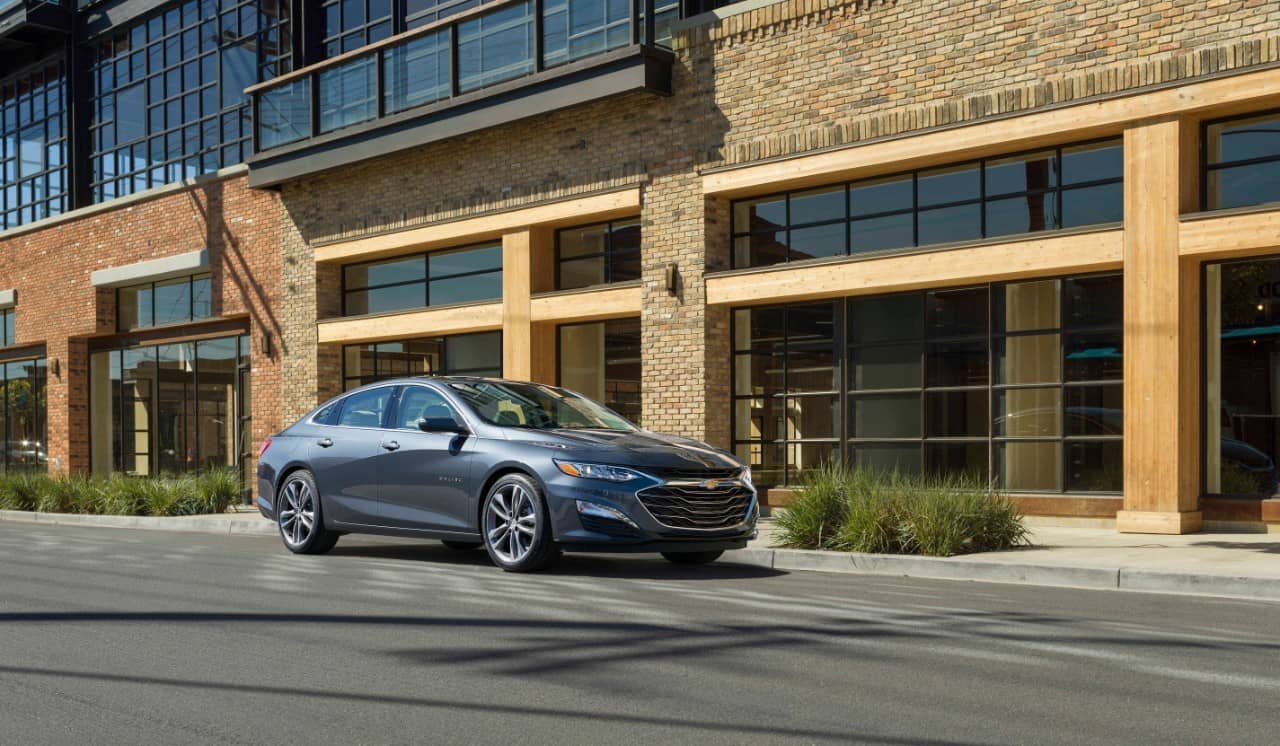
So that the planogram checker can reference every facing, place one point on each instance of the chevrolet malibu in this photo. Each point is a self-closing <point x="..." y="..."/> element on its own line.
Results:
<point x="525" y="470"/>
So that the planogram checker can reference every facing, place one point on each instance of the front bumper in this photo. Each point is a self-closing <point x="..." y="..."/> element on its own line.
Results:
<point x="642" y="531"/>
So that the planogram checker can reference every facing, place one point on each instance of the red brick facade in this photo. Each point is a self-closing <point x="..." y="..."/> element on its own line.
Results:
<point x="58" y="307"/>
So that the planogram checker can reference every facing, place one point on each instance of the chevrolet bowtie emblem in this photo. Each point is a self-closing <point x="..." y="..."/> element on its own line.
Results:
<point x="711" y="484"/>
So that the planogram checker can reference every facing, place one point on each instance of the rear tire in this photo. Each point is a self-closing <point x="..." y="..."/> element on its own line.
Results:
<point x="298" y="516"/>
<point x="516" y="526"/>
<point x="692" y="558"/>
<point x="462" y="546"/>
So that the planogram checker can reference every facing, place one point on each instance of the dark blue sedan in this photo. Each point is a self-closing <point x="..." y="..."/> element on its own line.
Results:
<point x="525" y="470"/>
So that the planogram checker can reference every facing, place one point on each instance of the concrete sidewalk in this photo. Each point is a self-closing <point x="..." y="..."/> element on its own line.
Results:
<point x="1218" y="564"/>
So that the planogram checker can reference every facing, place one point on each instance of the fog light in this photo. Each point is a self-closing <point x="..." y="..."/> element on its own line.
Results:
<point x="604" y="511"/>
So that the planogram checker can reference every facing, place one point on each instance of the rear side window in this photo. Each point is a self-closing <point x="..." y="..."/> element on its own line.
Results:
<point x="366" y="408"/>
<point x="327" y="413"/>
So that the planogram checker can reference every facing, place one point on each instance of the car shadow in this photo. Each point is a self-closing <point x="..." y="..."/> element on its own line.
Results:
<point x="631" y="566"/>
<point x="1248" y="546"/>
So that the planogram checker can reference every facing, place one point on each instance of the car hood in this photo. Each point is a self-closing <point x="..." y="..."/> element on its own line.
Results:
<point x="639" y="448"/>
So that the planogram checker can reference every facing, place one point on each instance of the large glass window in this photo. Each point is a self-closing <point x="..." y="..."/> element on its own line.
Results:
<point x="1066" y="187"/>
<point x="171" y="408"/>
<point x="460" y="354"/>
<point x="439" y="278"/>
<point x="1019" y="383"/>
<point x="1242" y="162"/>
<point x="33" y="146"/>
<point x="598" y="254"/>
<point x="23" y="415"/>
<point x="173" y="301"/>
<point x="168" y="100"/>
<point x="496" y="46"/>
<point x="601" y="361"/>
<point x="1242" y="378"/>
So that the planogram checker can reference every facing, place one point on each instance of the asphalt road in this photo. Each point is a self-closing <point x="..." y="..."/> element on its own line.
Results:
<point x="141" y="637"/>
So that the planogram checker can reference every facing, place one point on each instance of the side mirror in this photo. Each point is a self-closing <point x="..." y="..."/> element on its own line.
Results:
<point x="441" y="425"/>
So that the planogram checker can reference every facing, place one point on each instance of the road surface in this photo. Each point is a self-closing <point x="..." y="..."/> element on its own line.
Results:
<point x="149" y="637"/>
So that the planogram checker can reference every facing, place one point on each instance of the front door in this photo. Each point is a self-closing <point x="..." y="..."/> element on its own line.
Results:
<point x="425" y="477"/>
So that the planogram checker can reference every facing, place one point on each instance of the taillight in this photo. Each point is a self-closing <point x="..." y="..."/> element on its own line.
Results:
<point x="265" y="445"/>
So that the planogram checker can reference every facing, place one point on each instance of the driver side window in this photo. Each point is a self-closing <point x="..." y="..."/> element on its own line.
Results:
<point x="366" y="408"/>
<point x="420" y="402"/>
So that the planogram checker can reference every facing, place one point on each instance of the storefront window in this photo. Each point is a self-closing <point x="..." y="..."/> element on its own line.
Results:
<point x="170" y="409"/>
<point x="1242" y="162"/>
<point x="459" y="354"/>
<point x="601" y="360"/>
<point x="23" y="415"/>
<point x="1018" y="383"/>
<point x="1242" y="378"/>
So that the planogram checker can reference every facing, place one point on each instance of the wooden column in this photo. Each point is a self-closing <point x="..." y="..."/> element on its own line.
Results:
<point x="1161" y="334"/>
<point x="517" y="328"/>
<point x="528" y="266"/>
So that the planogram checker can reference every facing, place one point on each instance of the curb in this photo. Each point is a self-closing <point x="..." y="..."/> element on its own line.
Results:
<point x="953" y="568"/>
<point x="228" y="525"/>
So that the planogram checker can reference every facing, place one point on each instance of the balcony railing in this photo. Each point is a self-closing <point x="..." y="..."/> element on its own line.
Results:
<point x="495" y="43"/>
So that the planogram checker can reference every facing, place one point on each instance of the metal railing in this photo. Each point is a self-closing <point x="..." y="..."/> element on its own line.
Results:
<point x="494" y="43"/>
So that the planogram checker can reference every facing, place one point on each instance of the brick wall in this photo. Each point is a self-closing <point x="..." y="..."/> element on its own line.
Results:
<point x="58" y="307"/>
<point x="786" y="78"/>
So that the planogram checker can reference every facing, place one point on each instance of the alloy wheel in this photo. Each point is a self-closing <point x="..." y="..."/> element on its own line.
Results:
<point x="297" y="517"/>
<point x="511" y="523"/>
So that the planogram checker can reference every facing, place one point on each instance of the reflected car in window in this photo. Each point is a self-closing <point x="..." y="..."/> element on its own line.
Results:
<point x="524" y="470"/>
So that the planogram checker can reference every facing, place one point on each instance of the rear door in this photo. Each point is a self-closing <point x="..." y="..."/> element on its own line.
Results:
<point x="425" y="478"/>
<point x="344" y="455"/>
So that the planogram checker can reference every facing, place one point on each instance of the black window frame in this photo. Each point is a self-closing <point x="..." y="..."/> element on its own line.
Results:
<point x="207" y="133"/>
<point x="8" y="318"/>
<point x="191" y="301"/>
<point x="38" y="360"/>
<point x="844" y="365"/>
<point x="1206" y="167"/>
<point x="638" y="407"/>
<point x="427" y="278"/>
<point x="609" y="255"/>
<point x="982" y="202"/>
<point x="30" y="196"/>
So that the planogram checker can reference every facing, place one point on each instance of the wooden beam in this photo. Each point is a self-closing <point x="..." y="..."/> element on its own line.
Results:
<point x="588" y="305"/>
<point x="517" y="334"/>
<point x="989" y="262"/>
<point x="1229" y="236"/>
<point x="585" y="209"/>
<point x="1219" y="97"/>
<point x="1161" y="338"/>
<point x="427" y="322"/>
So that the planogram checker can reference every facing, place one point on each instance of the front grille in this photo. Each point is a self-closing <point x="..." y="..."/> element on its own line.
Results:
<point x="693" y="473"/>
<point x="599" y="525"/>
<point x="696" y="507"/>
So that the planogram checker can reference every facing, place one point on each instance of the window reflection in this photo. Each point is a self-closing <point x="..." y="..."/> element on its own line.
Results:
<point x="601" y="361"/>
<point x="23" y="415"/>
<point x="460" y="354"/>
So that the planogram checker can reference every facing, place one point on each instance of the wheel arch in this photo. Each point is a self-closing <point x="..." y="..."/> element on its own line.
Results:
<point x="497" y="473"/>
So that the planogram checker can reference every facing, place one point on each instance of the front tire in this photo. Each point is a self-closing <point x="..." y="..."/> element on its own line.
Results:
<point x="298" y="516"/>
<point x="516" y="525"/>
<point x="691" y="558"/>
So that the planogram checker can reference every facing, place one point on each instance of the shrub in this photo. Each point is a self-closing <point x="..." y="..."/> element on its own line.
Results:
<point x="814" y="519"/>
<point x="893" y="513"/>
<point x="118" y="494"/>
<point x="21" y="491"/>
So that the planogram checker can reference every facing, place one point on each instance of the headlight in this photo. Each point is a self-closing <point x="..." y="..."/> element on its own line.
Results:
<point x="597" y="471"/>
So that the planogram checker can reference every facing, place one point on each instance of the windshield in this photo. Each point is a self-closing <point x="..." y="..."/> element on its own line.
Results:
<point x="531" y="405"/>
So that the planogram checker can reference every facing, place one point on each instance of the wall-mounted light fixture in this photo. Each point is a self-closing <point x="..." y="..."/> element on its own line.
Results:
<point x="265" y="345"/>
<point x="672" y="275"/>
<point x="55" y="367"/>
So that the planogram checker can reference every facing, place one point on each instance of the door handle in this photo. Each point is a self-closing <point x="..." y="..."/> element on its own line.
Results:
<point x="324" y="442"/>
<point x="391" y="445"/>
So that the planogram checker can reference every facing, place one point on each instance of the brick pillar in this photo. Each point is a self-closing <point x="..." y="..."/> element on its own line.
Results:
<point x="1161" y="334"/>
